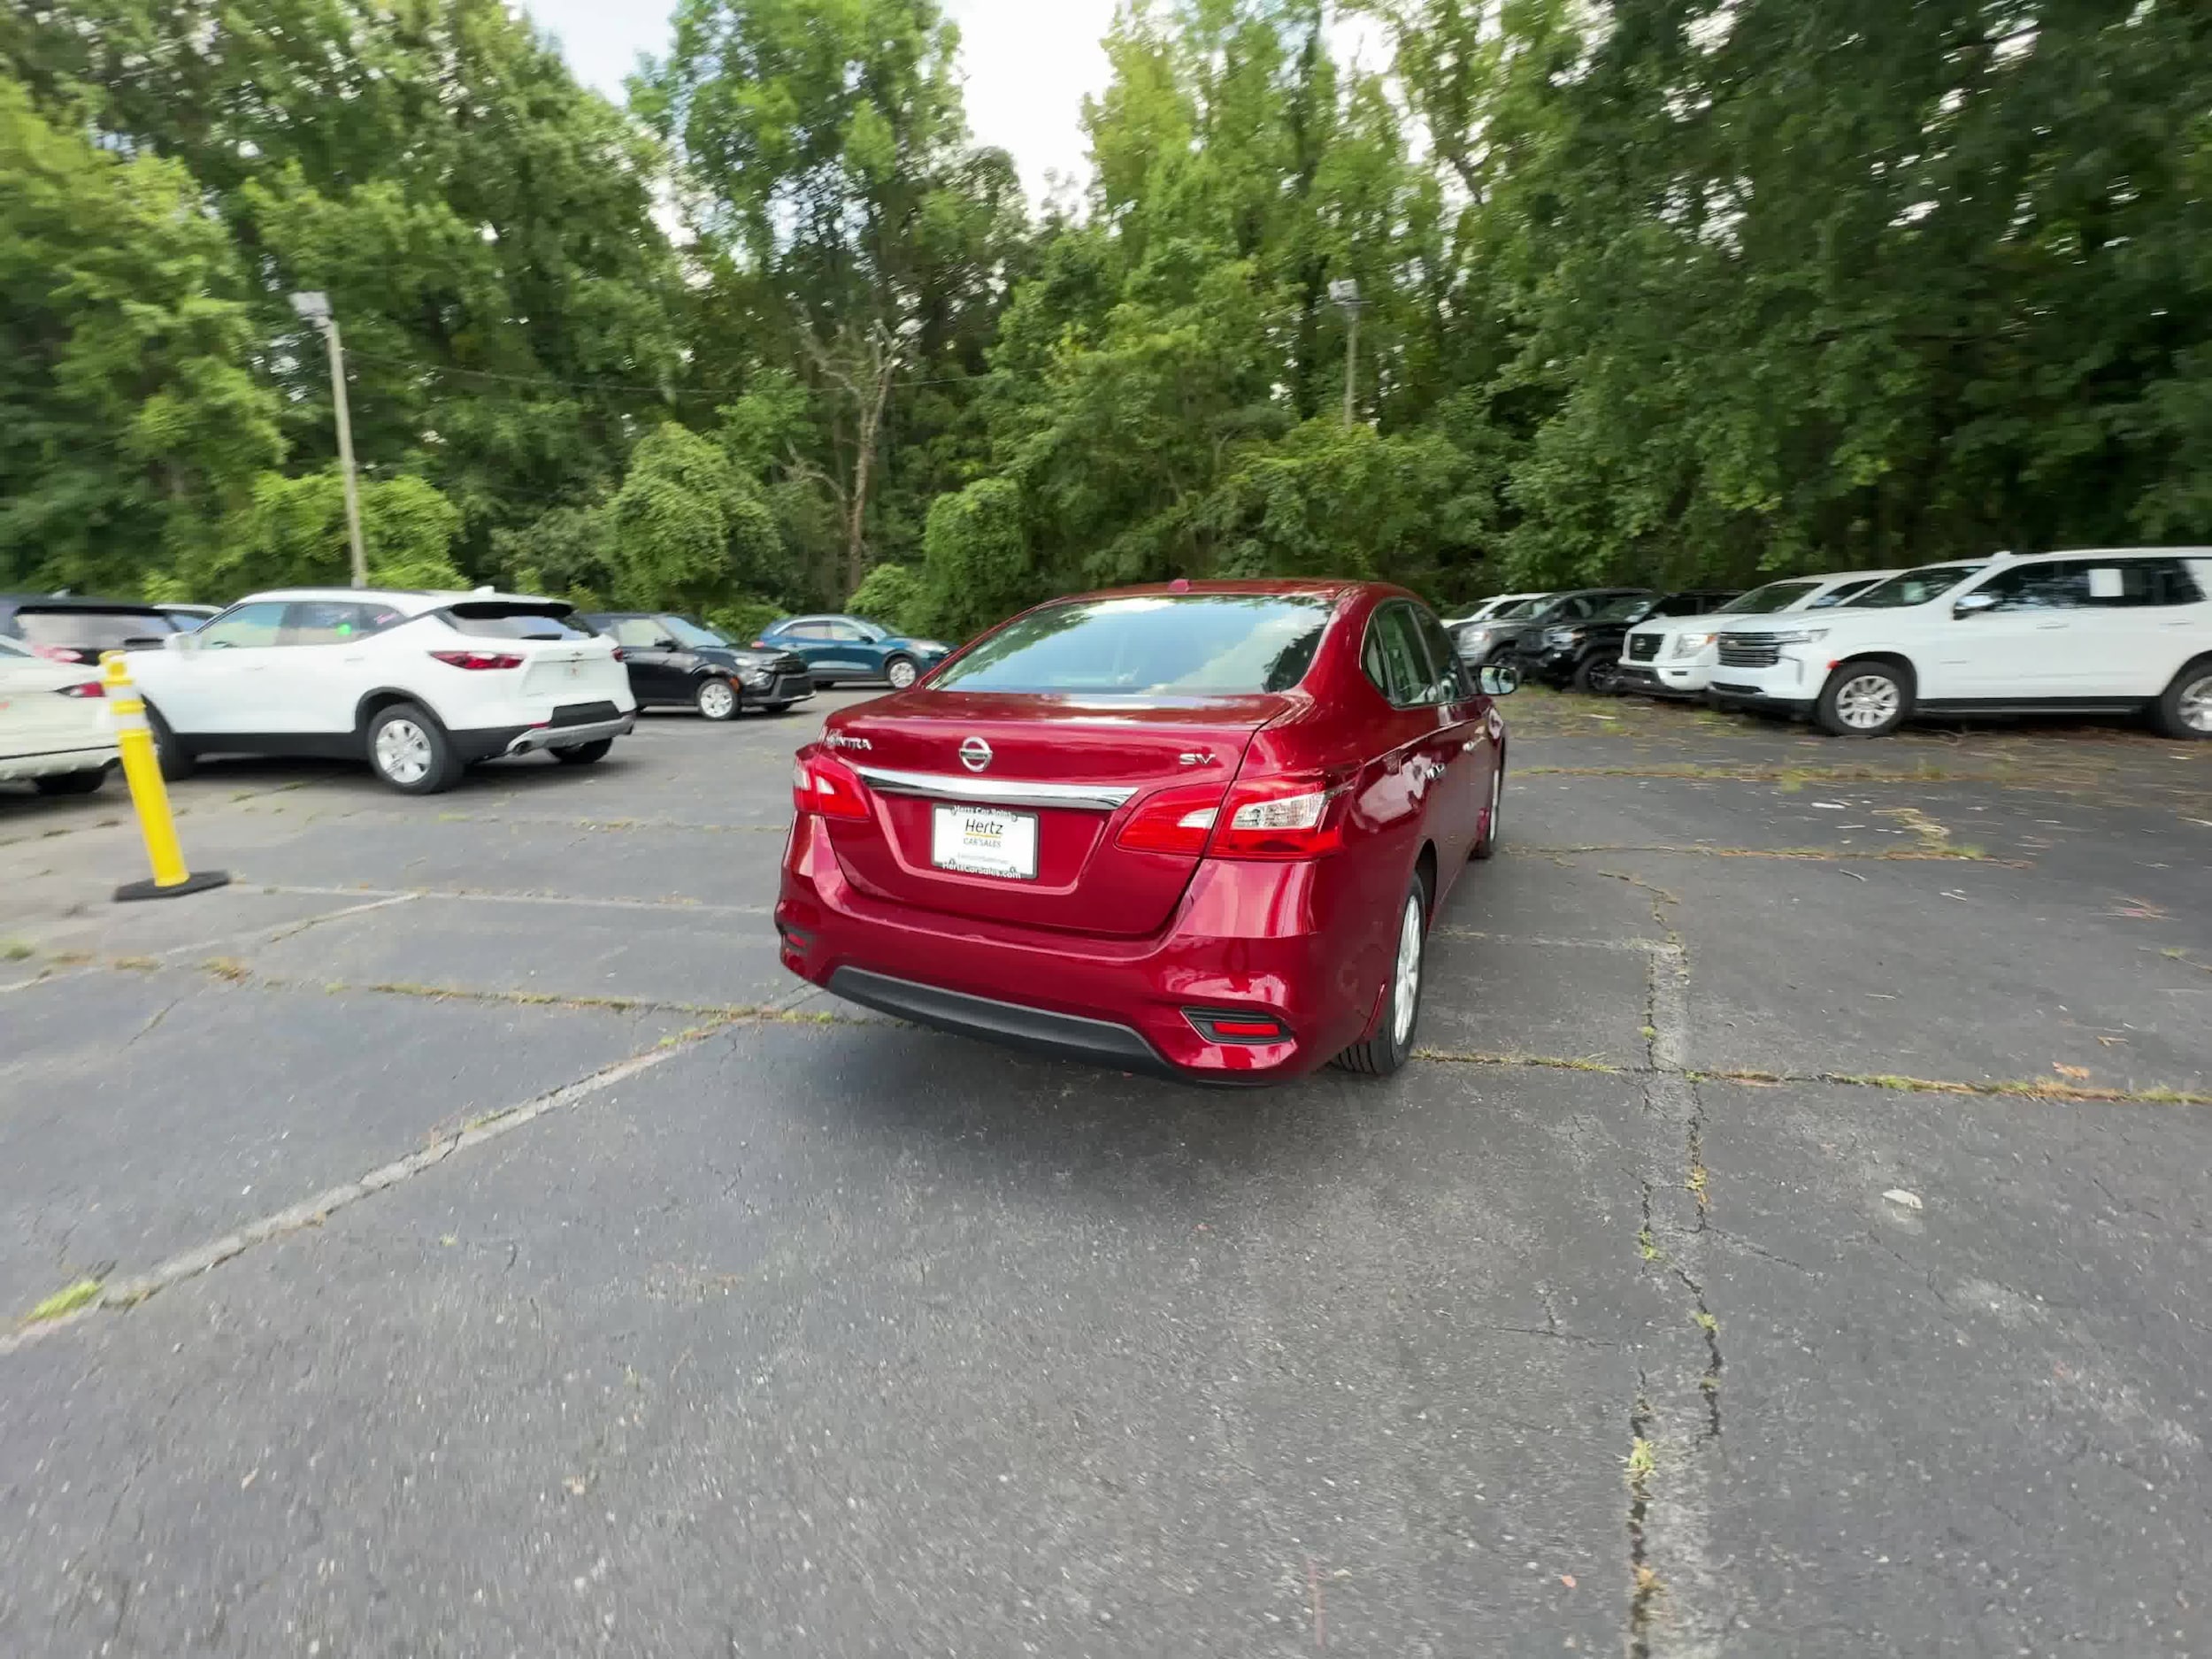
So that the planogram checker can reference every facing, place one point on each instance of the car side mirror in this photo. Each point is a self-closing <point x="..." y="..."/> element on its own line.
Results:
<point x="664" y="643"/>
<point x="1974" y="604"/>
<point x="1499" y="679"/>
<point x="178" y="642"/>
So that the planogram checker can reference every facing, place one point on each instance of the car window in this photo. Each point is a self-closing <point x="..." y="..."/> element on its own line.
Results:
<point x="1636" y="607"/>
<point x="1914" y="588"/>
<point x="1449" y="682"/>
<point x="640" y="633"/>
<point x="516" y="619"/>
<point x="1394" y="657"/>
<point x="874" y="633"/>
<point x="334" y="621"/>
<point x="1181" y="644"/>
<point x="685" y="632"/>
<point x="807" y="630"/>
<point x="1520" y="610"/>
<point x="257" y="624"/>
<point x="2093" y="584"/>
<point x="843" y="633"/>
<point x="1846" y="595"/>
<point x="93" y="630"/>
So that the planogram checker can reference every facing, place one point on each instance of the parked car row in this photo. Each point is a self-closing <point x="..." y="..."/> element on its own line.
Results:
<point x="421" y="684"/>
<point x="2114" y="631"/>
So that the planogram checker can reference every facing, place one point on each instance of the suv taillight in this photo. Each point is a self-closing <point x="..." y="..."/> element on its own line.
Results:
<point x="1260" y="818"/>
<point x="479" y="661"/>
<point x="827" y="788"/>
<point x="89" y="688"/>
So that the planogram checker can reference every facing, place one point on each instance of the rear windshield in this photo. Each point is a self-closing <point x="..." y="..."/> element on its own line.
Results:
<point x="503" y="619"/>
<point x="1173" y="644"/>
<point x="1764" y="602"/>
<point x="1914" y="588"/>
<point x="95" y="630"/>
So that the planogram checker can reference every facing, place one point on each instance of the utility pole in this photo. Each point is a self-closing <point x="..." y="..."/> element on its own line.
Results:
<point x="315" y="308"/>
<point x="1345" y="294"/>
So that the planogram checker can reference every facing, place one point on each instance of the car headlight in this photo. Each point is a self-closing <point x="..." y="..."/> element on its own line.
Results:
<point x="932" y="645"/>
<point x="1800" y="636"/>
<point x="1563" y="636"/>
<point x="1691" y="644"/>
<point x="753" y="674"/>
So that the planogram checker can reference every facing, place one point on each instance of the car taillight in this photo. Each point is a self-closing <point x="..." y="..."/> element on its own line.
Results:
<point x="618" y="657"/>
<point x="90" y="688"/>
<point x="1237" y="1027"/>
<point x="477" y="661"/>
<point x="59" y="653"/>
<point x="1173" y="821"/>
<point x="827" y="788"/>
<point x="763" y="645"/>
<point x="1279" y="817"/>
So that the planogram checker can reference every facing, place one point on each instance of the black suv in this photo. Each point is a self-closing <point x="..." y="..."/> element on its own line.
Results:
<point x="67" y="629"/>
<point x="1518" y="641"/>
<point x="1585" y="652"/>
<point x="675" y="663"/>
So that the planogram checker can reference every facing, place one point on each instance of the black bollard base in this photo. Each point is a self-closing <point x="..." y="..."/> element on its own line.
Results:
<point x="199" y="881"/>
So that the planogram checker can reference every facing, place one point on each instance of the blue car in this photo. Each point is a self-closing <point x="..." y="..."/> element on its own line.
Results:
<point x="853" y="648"/>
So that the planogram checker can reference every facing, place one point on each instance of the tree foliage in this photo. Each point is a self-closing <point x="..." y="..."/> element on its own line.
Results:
<point x="1658" y="290"/>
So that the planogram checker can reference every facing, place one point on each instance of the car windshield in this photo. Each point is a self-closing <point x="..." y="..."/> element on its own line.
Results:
<point x="1519" y="610"/>
<point x="90" y="630"/>
<point x="1628" y="608"/>
<point x="690" y="632"/>
<point x="1914" y="588"/>
<point x="1764" y="602"/>
<point x="1191" y="644"/>
<point x="506" y="621"/>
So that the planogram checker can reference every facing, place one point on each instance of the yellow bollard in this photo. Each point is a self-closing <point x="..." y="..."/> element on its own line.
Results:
<point x="141" y="769"/>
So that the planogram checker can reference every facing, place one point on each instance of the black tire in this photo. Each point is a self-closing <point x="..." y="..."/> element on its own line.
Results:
<point x="1486" y="844"/>
<point x="2185" y="711"/>
<point x="718" y="698"/>
<point x="1598" y="674"/>
<point x="1390" y="1047"/>
<point x="902" y="672"/>
<point x="584" y="754"/>
<point x="71" y="782"/>
<point x="409" y="750"/>
<point x="176" y="760"/>
<point x="1866" y="697"/>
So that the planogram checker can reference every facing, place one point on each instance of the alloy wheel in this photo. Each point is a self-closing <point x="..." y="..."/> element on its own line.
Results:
<point x="1868" y="701"/>
<point x="1406" y="982"/>
<point x="901" y="674"/>
<point x="2196" y="704"/>
<point x="717" y="700"/>
<point x="402" y="751"/>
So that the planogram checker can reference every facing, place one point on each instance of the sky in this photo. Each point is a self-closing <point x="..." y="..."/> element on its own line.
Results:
<point x="1028" y="64"/>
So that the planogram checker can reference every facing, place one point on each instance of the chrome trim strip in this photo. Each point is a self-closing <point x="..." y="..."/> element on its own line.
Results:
<point x="1079" y="797"/>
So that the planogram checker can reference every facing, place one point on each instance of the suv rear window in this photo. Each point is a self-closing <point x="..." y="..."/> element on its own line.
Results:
<point x="503" y="619"/>
<point x="93" y="630"/>
<point x="1159" y="644"/>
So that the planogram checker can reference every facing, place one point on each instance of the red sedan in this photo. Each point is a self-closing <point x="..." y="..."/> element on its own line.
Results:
<point x="1200" y="830"/>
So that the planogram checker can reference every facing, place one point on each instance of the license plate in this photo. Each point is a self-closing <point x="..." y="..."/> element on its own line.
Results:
<point x="984" y="842"/>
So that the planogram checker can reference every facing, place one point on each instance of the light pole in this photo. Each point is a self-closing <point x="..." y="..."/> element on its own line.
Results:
<point x="1344" y="292"/>
<point x="315" y="308"/>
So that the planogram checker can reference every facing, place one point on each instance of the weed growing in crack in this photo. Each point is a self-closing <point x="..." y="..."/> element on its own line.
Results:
<point x="64" y="1303"/>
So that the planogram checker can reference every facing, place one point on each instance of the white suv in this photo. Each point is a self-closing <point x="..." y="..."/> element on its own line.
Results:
<point x="421" y="684"/>
<point x="2099" y="632"/>
<point x="1674" y="656"/>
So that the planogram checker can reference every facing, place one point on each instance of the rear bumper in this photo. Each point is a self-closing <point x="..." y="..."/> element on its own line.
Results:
<point x="1116" y="1002"/>
<point x="487" y="743"/>
<point x="56" y="763"/>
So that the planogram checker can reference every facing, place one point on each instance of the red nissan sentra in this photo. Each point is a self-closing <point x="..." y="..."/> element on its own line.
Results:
<point x="1200" y="830"/>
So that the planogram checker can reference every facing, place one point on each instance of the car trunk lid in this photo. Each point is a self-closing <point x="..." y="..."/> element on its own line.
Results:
<point x="1077" y="766"/>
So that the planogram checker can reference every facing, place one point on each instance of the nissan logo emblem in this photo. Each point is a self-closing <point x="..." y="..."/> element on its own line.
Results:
<point x="975" y="754"/>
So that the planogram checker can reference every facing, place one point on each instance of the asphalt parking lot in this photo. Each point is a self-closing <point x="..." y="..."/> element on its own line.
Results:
<point x="497" y="1253"/>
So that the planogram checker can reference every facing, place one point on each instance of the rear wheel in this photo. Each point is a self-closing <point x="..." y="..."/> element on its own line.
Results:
<point x="717" y="698"/>
<point x="71" y="782"/>
<point x="1392" y="1045"/>
<point x="584" y="754"/>
<point x="1864" y="699"/>
<point x="901" y="672"/>
<point x="176" y="760"/>
<point x="409" y="750"/>
<point x="2186" y="710"/>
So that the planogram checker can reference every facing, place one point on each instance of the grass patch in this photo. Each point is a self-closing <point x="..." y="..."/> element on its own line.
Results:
<point x="16" y="950"/>
<point x="62" y="1303"/>
<point x="1549" y="1062"/>
<point x="228" y="968"/>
